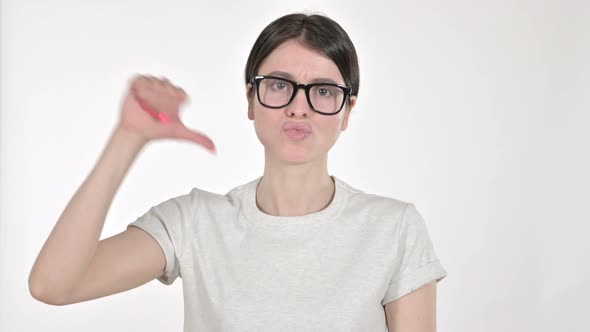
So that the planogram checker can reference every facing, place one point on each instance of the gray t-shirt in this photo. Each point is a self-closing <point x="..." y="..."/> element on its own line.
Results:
<point x="332" y="270"/>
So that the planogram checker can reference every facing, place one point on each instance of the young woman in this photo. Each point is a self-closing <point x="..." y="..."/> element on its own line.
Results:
<point x="296" y="249"/>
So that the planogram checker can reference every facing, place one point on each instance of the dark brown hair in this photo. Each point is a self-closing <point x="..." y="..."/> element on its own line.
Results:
<point x="318" y="33"/>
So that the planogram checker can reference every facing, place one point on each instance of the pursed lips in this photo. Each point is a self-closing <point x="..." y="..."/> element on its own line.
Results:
<point x="299" y="126"/>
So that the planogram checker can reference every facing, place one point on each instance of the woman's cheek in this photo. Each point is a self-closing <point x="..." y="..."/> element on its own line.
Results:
<point x="267" y="135"/>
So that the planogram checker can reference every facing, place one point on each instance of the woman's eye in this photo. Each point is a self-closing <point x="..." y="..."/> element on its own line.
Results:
<point x="279" y="85"/>
<point x="324" y="92"/>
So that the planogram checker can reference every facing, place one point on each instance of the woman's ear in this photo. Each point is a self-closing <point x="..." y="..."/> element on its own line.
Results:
<point x="347" y="110"/>
<point x="249" y="97"/>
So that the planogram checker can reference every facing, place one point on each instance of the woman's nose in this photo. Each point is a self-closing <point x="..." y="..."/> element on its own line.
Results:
<point x="299" y="106"/>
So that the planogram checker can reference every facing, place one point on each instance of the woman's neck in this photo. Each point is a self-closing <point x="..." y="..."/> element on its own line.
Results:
<point x="294" y="192"/>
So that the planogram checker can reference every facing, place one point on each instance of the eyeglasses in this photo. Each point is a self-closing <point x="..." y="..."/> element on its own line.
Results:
<point x="278" y="92"/>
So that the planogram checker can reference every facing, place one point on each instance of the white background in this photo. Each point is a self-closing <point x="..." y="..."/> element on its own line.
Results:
<point x="476" y="111"/>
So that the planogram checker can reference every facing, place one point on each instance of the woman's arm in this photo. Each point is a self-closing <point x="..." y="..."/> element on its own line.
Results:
<point x="414" y="312"/>
<point x="70" y="248"/>
<point x="73" y="265"/>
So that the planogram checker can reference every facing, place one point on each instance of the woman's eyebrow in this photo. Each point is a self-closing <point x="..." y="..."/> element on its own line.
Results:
<point x="281" y="74"/>
<point x="290" y="77"/>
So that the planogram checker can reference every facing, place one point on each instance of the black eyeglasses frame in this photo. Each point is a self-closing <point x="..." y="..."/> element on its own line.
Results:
<point x="296" y="86"/>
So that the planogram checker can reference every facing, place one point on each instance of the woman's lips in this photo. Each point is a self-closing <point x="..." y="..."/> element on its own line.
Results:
<point x="297" y="135"/>
<point x="297" y="131"/>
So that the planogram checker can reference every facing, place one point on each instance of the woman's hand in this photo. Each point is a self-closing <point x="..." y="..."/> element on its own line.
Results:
<point x="151" y="110"/>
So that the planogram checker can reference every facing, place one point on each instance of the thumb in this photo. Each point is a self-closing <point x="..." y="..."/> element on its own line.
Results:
<point x="194" y="136"/>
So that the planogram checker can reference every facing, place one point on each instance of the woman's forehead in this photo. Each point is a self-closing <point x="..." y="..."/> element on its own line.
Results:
<point x="295" y="61"/>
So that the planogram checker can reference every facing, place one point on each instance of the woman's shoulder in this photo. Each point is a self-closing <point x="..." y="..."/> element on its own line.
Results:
<point x="200" y="195"/>
<point x="354" y="192"/>
<point x="193" y="197"/>
<point x="375" y="202"/>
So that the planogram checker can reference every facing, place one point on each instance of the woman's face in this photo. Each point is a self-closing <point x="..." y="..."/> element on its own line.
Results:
<point x="300" y="64"/>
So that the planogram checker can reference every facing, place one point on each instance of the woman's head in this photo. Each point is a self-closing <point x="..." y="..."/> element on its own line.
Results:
<point x="301" y="49"/>
<point x="316" y="32"/>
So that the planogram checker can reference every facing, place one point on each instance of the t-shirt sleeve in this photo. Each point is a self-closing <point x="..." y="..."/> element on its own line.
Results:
<point x="166" y="223"/>
<point x="416" y="263"/>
